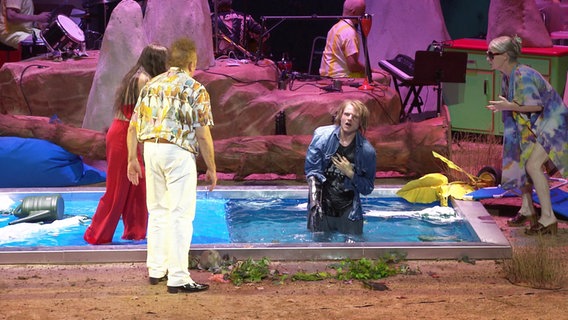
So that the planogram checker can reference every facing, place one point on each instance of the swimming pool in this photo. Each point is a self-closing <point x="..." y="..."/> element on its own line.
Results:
<point x="474" y="234"/>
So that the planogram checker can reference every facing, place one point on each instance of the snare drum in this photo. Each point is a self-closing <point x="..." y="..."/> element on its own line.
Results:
<point x="62" y="34"/>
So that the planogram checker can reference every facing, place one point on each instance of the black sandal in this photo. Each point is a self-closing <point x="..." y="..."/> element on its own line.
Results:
<point x="520" y="220"/>
<point x="539" y="229"/>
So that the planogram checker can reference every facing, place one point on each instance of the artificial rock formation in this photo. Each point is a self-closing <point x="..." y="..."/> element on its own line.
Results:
<point x="246" y="101"/>
<point x="47" y="88"/>
<point x="181" y="18"/>
<point x="129" y="31"/>
<point x="518" y="17"/>
<point x="83" y="142"/>
<point x="405" y="148"/>
<point x="124" y="39"/>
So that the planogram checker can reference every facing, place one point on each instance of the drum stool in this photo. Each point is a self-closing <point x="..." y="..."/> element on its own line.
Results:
<point x="9" y="54"/>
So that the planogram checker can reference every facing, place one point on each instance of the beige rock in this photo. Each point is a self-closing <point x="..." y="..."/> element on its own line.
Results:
<point x="181" y="18"/>
<point x="405" y="148"/>
<point x="123" y="42"/>
<point x="517" y="17"/>
<point x="83" y="142"/>
<point x="245" y="103"/>
<point x="47" y="88"/>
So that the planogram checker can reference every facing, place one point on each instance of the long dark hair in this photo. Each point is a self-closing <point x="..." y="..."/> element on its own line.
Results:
<point x="152" y="62"/>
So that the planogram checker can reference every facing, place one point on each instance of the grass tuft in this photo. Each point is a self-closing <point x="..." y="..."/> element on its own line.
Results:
<point x="537" y="265"/>
<point x="472" y="152"/>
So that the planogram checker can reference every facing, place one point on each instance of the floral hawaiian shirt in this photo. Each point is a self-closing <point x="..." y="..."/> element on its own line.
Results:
<point x="171" y="106"/>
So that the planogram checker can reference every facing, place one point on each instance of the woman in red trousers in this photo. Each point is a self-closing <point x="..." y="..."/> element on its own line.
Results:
<point x="122" y="198"/>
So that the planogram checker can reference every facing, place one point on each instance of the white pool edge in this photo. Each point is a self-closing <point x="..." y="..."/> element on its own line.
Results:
<point x="493" y="244"/>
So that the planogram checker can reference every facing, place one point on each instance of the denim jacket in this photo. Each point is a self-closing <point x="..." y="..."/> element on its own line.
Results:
<point x="324" y="145"/>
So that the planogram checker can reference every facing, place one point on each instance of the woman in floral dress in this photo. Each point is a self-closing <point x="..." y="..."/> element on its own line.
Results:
<point x="535" y="131"/>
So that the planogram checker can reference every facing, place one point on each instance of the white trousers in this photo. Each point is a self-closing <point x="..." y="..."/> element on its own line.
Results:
<point x="171" y="183"/>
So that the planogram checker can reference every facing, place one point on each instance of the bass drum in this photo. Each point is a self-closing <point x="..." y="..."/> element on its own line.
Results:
<point x="62" y="34"/>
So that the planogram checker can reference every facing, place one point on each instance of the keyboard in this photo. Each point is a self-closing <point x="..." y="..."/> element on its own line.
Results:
<point x="401" y="66"/>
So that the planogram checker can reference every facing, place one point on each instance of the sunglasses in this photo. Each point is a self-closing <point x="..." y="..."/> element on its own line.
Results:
<point x="491" y="55"/>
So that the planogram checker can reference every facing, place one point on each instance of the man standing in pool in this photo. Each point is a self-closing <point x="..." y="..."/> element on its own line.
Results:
<point x="172" y="117"/>
<point x="340" y="165"/>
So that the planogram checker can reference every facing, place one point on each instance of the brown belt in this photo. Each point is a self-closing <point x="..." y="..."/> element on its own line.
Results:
<point x="158" y="140"/>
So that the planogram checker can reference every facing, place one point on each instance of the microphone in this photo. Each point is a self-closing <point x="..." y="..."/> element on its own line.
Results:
<point x="366" y="23"/>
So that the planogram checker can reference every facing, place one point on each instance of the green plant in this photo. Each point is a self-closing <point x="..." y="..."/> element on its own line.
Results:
<point x="280" y="278"/>
<point x="537" y="265"/>
<point x="311" y="276"/>
<point x="407" y="270"/>
<point x="394" y="256"/>
<point x="364" y="269"/>
<point x="250" y="271"/>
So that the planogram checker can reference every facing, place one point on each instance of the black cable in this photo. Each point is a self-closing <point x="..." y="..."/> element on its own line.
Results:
<point x="305" y="84"/>
<point x="238" y="80"/>
<point x="373" y="94"/>
<point x="22" y="88"/>
<point x="382" y="105"/>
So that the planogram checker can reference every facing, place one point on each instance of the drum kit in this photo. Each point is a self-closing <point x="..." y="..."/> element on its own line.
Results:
<point x="64" y="38"/>
<point x="95" y="19"/>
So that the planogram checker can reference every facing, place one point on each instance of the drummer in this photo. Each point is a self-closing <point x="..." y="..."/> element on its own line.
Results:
<point x="18" y="23"/>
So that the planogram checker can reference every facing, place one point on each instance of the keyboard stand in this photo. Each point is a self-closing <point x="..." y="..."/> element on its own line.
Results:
<point x="402" y="79"/>
<point x="431" y="68"/>
<point x="413" y="92"/>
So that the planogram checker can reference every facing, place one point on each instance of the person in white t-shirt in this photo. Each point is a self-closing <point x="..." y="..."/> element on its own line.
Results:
<point x="18" y="22"/>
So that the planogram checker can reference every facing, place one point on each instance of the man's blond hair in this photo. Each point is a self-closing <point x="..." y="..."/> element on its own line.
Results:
<point x="182" y="52"/>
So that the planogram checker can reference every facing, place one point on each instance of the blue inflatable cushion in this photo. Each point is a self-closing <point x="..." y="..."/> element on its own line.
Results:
<point x="29" y="162"/>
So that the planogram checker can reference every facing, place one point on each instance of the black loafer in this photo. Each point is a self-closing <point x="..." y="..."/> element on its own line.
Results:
<point x="155" y="281"/>
<point x="188" y="288"/>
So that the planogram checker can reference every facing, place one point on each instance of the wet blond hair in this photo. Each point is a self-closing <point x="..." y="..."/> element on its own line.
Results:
<point x="359" y="107"/>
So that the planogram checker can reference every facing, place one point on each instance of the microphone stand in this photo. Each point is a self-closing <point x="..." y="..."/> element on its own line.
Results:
<point x="215" y="28"/>
<point x="366" y="21"/>
<point x="248" y="55"/>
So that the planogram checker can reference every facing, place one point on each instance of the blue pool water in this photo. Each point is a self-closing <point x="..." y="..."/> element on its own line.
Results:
<point x="222" y="220"/>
